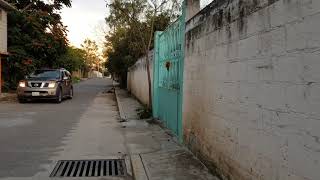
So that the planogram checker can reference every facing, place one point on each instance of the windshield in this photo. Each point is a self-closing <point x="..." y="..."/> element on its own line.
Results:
<point x="45" y="74"/>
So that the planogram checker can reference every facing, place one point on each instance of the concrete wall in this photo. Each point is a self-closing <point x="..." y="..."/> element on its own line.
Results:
<point x="138" y="79"/>
<point x="95" y="74"/>
<point x="193" y="7"/>
<point x="78" y="74"/>
<point x="3" y="31"/>
<point x="252" y="88"/>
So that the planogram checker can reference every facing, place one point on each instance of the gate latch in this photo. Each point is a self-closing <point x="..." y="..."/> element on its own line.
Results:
<point x="168" y="64"/>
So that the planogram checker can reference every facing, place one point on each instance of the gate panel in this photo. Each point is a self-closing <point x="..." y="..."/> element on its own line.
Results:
<point x="168" y="75"/>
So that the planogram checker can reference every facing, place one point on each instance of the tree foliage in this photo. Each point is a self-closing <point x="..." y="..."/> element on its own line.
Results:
<point x="36" y="37"/>
<point x="91" y="49"/>
<point x="74" y="59"/>
<point x="132" y="24"/>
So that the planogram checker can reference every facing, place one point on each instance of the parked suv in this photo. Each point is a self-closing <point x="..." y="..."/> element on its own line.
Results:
<point x="54" y="84"/>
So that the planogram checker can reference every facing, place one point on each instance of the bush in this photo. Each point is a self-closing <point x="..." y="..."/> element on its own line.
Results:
<point x="76" y="79"/>
<point x="144" y="112"/>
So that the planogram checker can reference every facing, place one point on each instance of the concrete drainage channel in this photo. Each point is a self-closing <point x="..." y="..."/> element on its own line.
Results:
<point x="90" y="168"/>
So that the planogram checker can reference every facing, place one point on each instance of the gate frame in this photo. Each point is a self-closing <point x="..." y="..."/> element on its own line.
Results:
<point x="155" y="86"/>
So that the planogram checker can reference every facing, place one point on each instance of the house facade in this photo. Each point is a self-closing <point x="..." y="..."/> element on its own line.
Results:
<point x="4" y="8"/>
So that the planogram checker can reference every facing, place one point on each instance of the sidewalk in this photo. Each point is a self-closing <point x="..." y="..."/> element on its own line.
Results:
<point x="155" y="155"/>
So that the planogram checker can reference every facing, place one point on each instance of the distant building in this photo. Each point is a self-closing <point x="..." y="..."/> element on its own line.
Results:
<point x="4" y="8"/>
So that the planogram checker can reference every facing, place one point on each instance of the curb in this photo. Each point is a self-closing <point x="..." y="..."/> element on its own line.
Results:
<point x="138" y="170"/>
<point x="122" y="114"/>
<point x="137" y="167"/>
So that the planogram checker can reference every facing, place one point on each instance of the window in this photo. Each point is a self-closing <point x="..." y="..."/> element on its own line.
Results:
<point x="45" y="74"/>
<point x="62" y="74"/>
<point x="68" y="74"/>
<point x="65" y="74"/>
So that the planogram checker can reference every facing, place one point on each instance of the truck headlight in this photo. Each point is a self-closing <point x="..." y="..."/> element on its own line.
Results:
<point x="22" y="84"/>
<point x="52" y="85"/>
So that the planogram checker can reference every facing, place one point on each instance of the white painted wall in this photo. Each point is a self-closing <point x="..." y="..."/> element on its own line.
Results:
<point x="252" y="90"/>
<point x="3" y="31"/>
<point x="95" y="74"/>
<point x="138" y="80"/>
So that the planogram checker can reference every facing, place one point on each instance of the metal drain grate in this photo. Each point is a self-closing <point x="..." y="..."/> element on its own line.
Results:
<point x="90" y="168"/>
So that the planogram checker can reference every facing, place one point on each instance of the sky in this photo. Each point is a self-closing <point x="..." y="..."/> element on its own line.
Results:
<point x="85" y="19"/>
<point x="204" y="3"/>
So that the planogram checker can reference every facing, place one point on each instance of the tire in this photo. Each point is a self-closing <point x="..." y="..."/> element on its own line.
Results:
<point x="71" y="93"/>
<point x="59" y="96"/>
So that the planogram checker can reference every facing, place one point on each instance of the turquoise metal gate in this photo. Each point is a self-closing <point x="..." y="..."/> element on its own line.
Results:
<point x="168" y="75"/>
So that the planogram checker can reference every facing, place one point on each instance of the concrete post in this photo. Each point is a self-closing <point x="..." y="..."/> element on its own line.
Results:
<point x="192" y="7"/>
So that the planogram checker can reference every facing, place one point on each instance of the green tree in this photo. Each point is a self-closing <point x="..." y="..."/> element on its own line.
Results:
<point x="91" y="49"/>
<point x="74" y="59"/>
<point x="36" y="37"/>
<point x="132" y="25"/>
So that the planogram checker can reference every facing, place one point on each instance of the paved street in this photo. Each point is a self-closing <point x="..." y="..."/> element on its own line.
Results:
<point x="32" y="134"/>
<point x="35" y="136"/>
